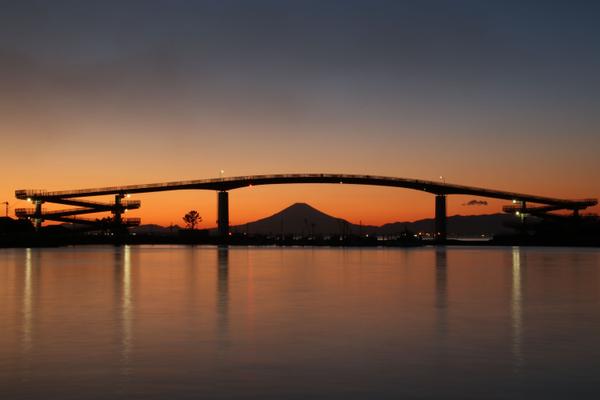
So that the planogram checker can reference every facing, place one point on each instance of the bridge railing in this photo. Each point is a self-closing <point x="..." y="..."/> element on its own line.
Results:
<point x="89" y="203"/>
<point x="513" y="208"/>
<point x="29" y="193"/>
<point x="24" y="212"/>
<point x="131" y="203"/>
<point x="228" y="183"/>
<point x="249" y="178"/>
<point x="590" y="201"/>
<point x="33" y="193"/>
<point x="30" y="212"/>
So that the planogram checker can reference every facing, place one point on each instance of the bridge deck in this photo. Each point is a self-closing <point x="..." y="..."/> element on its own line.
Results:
<point x="229" y="183"/>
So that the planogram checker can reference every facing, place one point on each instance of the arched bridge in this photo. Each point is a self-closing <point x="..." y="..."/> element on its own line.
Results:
<point x="223" y="185"/>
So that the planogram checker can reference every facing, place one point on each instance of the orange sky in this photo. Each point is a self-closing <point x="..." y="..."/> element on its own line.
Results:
<point x="74" y="152"/>
<point x="486" y="94"/>
<point x="357" y="203"/>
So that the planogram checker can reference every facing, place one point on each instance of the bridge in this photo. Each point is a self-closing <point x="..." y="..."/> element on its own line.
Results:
<point x="223" y="185"/>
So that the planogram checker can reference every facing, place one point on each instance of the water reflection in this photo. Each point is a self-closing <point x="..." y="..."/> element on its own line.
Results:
<point x="124" y="300"/>
<point x="516" y="309"/>
<point x="441" y="277"/>
<point x="28" y="311"/>
<point x="174" y="322"/>
<point x="223" y="295"/>
<point x="192" y="279"/>
<point x="250" y="292"/>
<point x="441" y="288"/>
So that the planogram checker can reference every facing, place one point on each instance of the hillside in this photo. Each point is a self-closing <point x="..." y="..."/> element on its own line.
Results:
<point x="303" y="219"/>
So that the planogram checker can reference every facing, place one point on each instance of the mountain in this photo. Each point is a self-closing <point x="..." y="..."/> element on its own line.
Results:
<point x="157" y="230"/>
<point x="303" y="219"/>
<point x="461" y="225"/>
<point x="299" y="218"/>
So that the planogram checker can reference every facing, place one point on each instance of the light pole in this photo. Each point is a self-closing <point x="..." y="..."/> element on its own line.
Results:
<point x="6" y="208"/>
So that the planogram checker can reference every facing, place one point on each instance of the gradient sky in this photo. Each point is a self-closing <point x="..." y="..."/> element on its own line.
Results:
<point x="495" y="94"/>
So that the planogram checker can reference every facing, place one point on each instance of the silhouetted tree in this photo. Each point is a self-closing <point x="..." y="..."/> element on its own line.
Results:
<point x="192" y="219"/>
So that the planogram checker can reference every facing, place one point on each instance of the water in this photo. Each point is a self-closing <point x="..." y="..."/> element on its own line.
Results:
<point x="296" y="323"/>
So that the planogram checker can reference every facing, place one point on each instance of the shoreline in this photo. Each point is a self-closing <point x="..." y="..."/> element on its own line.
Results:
<point x="45" y="241"/>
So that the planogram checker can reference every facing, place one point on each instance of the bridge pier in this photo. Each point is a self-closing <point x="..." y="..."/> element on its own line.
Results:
<point x="440" y="218"/>
<point x="118" y="209"/>
<point x="117" y="224"/>
<point x="38" y="214"/>
<point x="223" y="214"/>
<point x="523" y="213"/>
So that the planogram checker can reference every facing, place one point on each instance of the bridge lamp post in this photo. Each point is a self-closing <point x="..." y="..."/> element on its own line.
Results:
<point x="521" y="215"/>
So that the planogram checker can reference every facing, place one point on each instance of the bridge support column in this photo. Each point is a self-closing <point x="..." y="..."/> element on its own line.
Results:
<point x="117" y="211"/>
<point x="523" y="212"/>
<point x="118" y="227"/>
<point x="37" y="220"/>
<point x="223" y="214"/>
<point x="440" y="218"/>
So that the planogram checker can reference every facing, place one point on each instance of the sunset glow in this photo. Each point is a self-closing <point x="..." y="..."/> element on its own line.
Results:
<point x="108" y="94"/>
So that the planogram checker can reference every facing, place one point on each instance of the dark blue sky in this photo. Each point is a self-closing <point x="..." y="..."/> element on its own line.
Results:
<point x="534" y="48"/>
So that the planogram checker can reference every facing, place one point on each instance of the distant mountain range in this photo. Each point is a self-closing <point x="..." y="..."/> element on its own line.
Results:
<point x="153" y="229"/>
<point x="301" y="218"/>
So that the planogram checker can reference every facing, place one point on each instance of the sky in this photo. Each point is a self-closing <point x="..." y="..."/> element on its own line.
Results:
<point x="502" y="94"/>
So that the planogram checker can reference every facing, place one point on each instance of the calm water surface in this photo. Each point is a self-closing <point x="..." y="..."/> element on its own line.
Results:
<point x="206" y="322"/>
